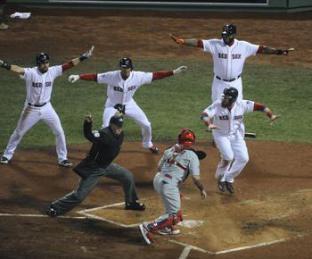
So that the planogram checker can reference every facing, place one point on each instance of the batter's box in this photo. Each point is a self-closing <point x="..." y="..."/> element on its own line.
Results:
<point x="223" y="228"/>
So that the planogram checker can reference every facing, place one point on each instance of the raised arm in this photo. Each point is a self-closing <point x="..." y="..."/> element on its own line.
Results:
<point x="187" y="42"/>
<point x="13" y="68"/>
<point x="269" y="50"/>
<point x="74" y="62"/>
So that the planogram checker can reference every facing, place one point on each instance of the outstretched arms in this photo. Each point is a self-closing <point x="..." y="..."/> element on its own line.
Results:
<point x="268" y="50"/>
<point x="13" y="68"/>
<point x="261" y="107"/>
<point x="162" y="74"/>
<point x="188" y="42"/>
<point x="76" y="61"/>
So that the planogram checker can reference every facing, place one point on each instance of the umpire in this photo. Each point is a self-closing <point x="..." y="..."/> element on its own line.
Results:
<point x="106" y="145"/>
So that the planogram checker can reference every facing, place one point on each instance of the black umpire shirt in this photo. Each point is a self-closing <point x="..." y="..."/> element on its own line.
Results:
<point x="105" y="148"/>
<point x="105" y="144"/>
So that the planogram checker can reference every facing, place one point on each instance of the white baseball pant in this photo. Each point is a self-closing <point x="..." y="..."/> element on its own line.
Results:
<point x="29" y="117"/>
<point x="218" y="87"/>
<point x="134" y="112"/>
<point x="233" y="150"/>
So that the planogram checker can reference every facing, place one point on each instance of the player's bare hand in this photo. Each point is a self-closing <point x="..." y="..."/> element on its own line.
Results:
<point x="179" y="70"/>
<point x="177" y="40"/>
<point x="203" y="194"/>
<point x="73" y="78"/>
<point x="274" y="118"/>
<point x="212" y="127"/>
<point x="88" y="118"/>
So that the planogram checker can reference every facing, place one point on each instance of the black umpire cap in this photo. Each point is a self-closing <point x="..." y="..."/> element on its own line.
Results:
<point x="117" y="120"/>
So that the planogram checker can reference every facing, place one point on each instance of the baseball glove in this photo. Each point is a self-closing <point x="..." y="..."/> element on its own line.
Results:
<point x="200" y="154"/>
<point x="121" y="108"/>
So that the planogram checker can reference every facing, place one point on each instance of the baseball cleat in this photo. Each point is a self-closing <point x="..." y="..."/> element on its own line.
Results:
<point x="135" y="206"/>
<point x="51" y="212"/>
<point x="4" y="160"/>
<point x="154" y="150"/>
<point x="145" y="234"/>
<point x="221" y="186"/>
<point x="169" y="231"/>
<point x="65" y="163"/>
<point x="229" y="187"/>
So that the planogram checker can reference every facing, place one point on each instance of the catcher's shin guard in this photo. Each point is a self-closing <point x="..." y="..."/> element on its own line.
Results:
<point x="173" y="219"/>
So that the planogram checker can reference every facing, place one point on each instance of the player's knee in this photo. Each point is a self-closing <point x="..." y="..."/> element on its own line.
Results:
<point x="244" y="158"/>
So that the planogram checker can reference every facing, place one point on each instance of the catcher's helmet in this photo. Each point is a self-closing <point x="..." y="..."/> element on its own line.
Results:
<point x="186" y="138"/>
<point x="42" y="58"/>
<point x="125" y="63"/>
<point x="231" y="93"/>
<point x="229" y="30"/>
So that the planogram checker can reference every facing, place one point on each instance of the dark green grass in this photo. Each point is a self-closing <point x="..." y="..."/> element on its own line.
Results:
<point x="170" y="104"/>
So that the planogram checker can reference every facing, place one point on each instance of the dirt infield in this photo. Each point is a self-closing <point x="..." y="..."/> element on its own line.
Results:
<point x="273" y="195"/>
<point x="272" y="204"/>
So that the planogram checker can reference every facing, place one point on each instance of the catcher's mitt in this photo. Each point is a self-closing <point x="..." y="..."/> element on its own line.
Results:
<point x="200" y="154"/>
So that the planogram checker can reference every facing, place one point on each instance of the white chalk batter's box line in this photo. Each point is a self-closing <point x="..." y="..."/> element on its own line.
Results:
<point x="188" y="246"/>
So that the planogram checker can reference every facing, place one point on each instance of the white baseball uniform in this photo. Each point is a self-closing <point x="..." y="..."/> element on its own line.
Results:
<point x="228" y="64"/>
<point x="120" y="91"/>
<point x="229" y="137"/>
<point x="38" y="107"/>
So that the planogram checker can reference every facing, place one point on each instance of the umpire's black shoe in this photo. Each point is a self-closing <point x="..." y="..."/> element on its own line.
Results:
<point x="135" y="206"/>
<point x="51" y="212"/>
<point x="229" y="187"/>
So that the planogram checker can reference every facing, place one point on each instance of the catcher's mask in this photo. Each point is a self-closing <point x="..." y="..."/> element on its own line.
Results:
<point x="42" y="58"/>
<point x="186" y="138"/>
<point x="125" y="63"/>
<point x="229" y="96"/>
<point x="228" y="33"/>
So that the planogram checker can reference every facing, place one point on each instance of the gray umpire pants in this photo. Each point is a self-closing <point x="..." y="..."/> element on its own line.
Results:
<point x="86" y="185"/>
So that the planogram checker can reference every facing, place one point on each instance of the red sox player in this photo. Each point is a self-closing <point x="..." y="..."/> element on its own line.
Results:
<point x="39" y="84"/>
<point x="121" y="87"/>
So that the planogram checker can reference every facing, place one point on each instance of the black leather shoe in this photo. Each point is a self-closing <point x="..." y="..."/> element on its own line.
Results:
<point x="135" y="206"/>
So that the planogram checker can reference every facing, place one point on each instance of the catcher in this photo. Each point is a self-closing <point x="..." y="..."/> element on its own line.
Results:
<point x="174" y="167"/>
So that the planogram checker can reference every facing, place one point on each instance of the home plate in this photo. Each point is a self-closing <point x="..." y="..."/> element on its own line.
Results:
<point x="191" y="223"/>
<point x="218" y="227"/>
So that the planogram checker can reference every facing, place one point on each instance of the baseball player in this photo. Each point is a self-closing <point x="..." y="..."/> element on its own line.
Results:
<point x="39" y="84"/>
<point x="173" y="169"/>
<point x="106" y="144"/>
<point x="229" y="55"/>
<point x="225" y="118"/>
<point x="121" y="87"/>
